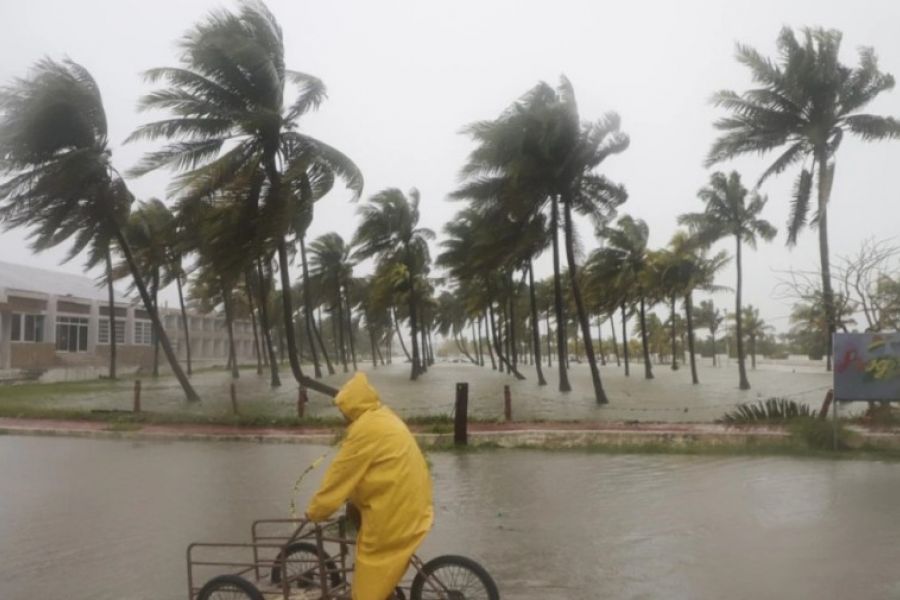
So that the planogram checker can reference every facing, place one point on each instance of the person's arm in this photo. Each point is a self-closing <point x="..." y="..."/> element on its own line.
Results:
<point x="342" y="476"/>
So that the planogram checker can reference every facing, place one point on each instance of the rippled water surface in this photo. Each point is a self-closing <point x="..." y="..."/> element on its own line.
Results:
<point x="668" y="397"/>
<point x="96" y="520"/>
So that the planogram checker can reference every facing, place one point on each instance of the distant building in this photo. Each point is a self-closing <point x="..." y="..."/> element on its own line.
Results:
<point x="56" y="320"/>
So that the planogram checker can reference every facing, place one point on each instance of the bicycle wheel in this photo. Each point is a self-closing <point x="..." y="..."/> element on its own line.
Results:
<point x="301" y="562"/>
<point x="229" y="587"/>
<point x="453" y="578"/>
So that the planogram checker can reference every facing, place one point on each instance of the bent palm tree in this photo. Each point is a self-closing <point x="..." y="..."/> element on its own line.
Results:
<point x="231" y="122"/>
<point x="806" y="103"/>
<point x="389" y="231"/>
<point x="624" y="262"/>
<point x="53" y="145"/>
<point x="333" y="270"/>
<point x="729" y="214"/>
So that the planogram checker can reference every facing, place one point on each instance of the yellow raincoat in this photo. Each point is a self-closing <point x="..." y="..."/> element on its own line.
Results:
<point x="381" y="470"/>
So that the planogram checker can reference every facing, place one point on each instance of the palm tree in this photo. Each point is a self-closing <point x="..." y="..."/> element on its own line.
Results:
<point x="729" y="214"/>
<point x="541" y="145"/>
<point x="229" y="93"/>
<point x="626" y="258"/>
<point x="754" y="328"/>
<point x="53" y="145"/>
<point x="685" y="269"/>
<point x="389" y="231"/>
<point x="710" y="317"/>
<point x="148" y="231"/>
<point x="331" y="266"/>
<point x="807" y="101"/>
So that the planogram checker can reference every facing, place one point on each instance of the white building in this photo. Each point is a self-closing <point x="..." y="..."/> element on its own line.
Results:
<point x="56" y="320"/>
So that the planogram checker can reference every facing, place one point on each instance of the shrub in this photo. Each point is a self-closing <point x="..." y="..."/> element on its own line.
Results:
<point x="773" y="410"/>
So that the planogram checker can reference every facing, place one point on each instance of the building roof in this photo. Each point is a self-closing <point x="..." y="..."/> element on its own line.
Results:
<point x="22" y="278"/>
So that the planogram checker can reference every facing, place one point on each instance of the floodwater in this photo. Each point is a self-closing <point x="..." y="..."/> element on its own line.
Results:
<point x="670" y="397"/>
<point x="110" y="520"/>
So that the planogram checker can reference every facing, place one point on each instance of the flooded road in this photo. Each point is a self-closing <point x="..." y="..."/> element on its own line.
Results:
<point x="670" y="397"/>
<point x="110" y="520"/>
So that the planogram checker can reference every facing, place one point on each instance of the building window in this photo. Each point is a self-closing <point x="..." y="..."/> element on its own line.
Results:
<point x="103" y="331"/>
<point x="71" y="334"/>
<point x="27" y="328"/>
<point x="143" y="333"/>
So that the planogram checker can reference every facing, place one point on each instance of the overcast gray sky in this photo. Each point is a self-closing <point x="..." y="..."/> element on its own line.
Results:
<point x="404" y="76"/>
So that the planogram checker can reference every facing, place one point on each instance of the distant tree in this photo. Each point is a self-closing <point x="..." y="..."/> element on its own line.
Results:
<point x="729" y="214"/>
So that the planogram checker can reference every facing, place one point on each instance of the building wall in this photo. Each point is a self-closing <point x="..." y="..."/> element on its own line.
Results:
<point x="30" y="355"/>
<point x="208" y="334"/>
<point x="130" y="355"/>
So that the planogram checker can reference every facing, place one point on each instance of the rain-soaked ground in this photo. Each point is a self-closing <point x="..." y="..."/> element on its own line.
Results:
<point x="110" y="520"/>
<point x="668" y="397"/>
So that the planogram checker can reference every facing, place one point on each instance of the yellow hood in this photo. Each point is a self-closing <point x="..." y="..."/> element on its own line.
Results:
<point x="357" y="397"/>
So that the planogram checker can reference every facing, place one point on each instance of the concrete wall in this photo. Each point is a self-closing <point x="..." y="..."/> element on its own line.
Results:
<point x="29" y="355"/>
<point x="132" y="355"/>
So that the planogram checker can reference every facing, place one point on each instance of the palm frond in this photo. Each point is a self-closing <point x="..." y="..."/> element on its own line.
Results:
<point x="799" y="206"/>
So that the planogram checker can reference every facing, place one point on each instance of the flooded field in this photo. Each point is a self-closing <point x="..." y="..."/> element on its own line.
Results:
<point x="668" y="397"/>
<point x="110" y="520"/>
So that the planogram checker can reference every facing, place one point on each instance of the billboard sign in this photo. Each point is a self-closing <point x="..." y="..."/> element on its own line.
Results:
<point x="867" y="366"/>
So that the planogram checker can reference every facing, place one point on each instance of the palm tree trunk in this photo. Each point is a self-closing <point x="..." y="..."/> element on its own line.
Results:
<point x="339" y="304"/>
<point x="826" y="177"/>
<point x="430" y="348"/>
<point x="350" y="333"/>
<point x="189" y="392"/>
<point x="500" y="357"/>
<point x="413" y="324"/>
<point x="625" y="340"/>
<point x="648" y="368"/>
<point x="688" y="310"/>
<point x="535" y="326"/>
<point x="372" y="345"/>
<point x="256" y="346"/>
<point x="399" y="335"/>
<point x="184" y="324"/>
<point x="561" y="340"/>
<point x="390" y="347"/>
<point x="512" y="322"/>
<point x="263" y="283"/>
<point x="674" y="338"/>
<point x="753" y="352"/>
<point x="599" y="393"/>
<point x="476" y="344"/>
<point x="317" y="331"/>
<point x="288" y="310"/>
<point x="600" y="342"/>
<point x="307" y="309"/>
<point x="742" y="368"/>
<point x="504" y="333"/>
<point x="112" y="315"/>
<point x="423" y="355"/>
<point x="575" y="344"/>
<point x="615" y="342"/>
<point x="156" y="327"/>
<point x="712" y="334"/>
<point x="549" y="337"/>
<point x="488" y="342"/>
<point x="229" y="319"/>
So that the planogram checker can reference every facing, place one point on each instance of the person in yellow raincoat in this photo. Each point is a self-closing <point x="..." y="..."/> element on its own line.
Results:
<point x="382" y="472"/>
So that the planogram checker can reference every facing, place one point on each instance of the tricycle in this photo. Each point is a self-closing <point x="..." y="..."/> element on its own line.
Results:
<point x="296" y="559"/>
